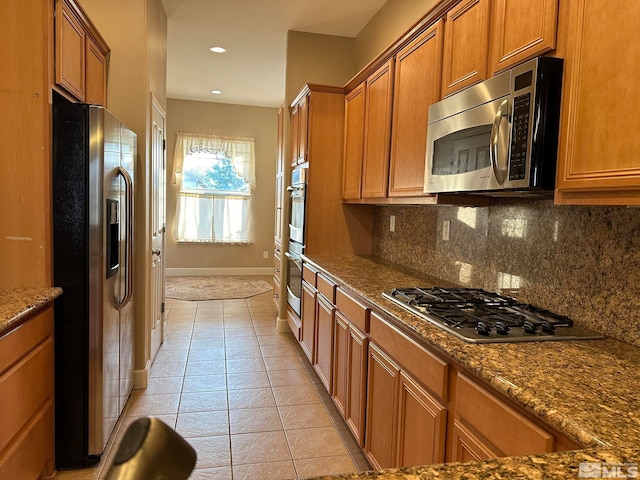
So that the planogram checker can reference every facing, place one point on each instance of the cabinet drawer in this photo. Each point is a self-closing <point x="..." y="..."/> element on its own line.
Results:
<point x="294" y="324"/>
<point x="17" y="343"/>
<point x="276" y="264"/>
<point x="425" y="367"/>
<point x="327" y="288"/>
<point x="357" y="313"/>
<point x="26" y="387"/>
<point x="501" y="425"/>
<point x="32" y="455"/>
<point x="309" y="274"/>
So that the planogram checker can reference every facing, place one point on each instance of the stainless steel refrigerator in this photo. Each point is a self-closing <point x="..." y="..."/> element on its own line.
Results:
<point x="93" y="176"/>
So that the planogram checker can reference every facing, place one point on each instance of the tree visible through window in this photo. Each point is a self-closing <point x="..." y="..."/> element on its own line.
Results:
<point x="216" y="178"/>
<point x="211" y="173"/>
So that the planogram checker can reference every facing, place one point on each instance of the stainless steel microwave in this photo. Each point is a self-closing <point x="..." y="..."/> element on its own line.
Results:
<point x="499" y="137"/>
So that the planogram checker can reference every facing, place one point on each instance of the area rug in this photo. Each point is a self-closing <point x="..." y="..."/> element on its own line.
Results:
<point x="213" y="287"/>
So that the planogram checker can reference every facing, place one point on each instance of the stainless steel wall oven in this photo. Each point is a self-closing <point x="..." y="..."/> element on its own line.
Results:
<point x="297" y="199"/>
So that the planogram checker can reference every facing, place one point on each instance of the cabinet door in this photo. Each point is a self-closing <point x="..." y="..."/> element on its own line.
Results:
<point x="522" y="30"/>
<point x="599" y="142"/>
<point x="466" y="447"/>
<point x="96" y="76"/>
<point x="295" y="135"/>
<point x="324" y="341"/>
<point x="340" y="363"/>
<point x="308" y="320"/>
<point x="356" y="382"/>
<point x="466" y="45"/>
<point x="303" y="129"/>
<point x="421" y="426"/>
<point x="353" y="143"/>
<point x="375" y="167"/>
<point x="417" y="85"/>
<point x="70" y="51"/>
<point x="382" y="390"/>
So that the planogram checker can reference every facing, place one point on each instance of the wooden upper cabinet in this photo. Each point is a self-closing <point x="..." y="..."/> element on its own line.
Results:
<point x="521" y="30"/>
<point x="299" y="130"/>
<point x="466" y="45"/>
<point x="379" y="97"/>
<point x="70" y="50"/>
<point x="81" y="54"/>
<point x="303" y="128"/>
<point x="295" y="136"/>
<point x="599" y="143"/>
<point x="96" y="74"/>
<point x="417" y="85"/>
<point x="353" y="143"/>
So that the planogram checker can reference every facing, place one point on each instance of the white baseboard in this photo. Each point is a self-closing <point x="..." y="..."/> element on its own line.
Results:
<point x="189" y="272"/>
<point x="140" y="377"/>
<point x="282" y="326"/>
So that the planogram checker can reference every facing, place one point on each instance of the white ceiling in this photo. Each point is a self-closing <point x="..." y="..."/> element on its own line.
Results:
<point x="252" y="70"/>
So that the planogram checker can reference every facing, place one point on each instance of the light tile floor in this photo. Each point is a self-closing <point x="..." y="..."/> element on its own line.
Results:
<point x="243" y="395"/>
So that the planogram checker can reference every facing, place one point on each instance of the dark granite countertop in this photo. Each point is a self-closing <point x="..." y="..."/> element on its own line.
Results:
<point x="17" y="304"/>
<point x="588" y="390"/>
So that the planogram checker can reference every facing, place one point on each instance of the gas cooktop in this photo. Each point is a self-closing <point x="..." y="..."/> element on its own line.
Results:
<point x="477" y="316"/>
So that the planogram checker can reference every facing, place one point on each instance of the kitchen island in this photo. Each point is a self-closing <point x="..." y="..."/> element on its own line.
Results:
<point x="586" y="389"/>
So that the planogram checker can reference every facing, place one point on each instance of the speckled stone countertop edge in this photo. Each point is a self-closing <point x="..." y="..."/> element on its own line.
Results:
<point x="551" y="466"/>
<point x="485" y="360"/>
<point x="17" y="304"/>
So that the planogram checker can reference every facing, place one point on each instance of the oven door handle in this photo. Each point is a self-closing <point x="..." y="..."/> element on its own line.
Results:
<point x="294" y="259"/>
<point x="500" y="163"/>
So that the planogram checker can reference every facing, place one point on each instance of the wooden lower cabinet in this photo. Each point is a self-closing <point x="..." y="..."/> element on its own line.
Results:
<point x="422" y="423"/>
<point x="484" y="426"/>
<point x="406" y="425"/>
<point x="26" y="394"/>
<point x="466" y="447"/>
<point x="383" y="379"/>
<point x="308" y="320"/>
<point x="349" y="374"/>
<point x="323" y="360"/>
<point x="404" y="404"/>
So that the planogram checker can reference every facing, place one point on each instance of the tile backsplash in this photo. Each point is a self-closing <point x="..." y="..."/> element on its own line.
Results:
<point x="583" y="262"/>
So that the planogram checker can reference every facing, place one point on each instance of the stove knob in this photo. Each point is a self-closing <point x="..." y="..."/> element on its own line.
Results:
<point x="547" y="327"/>
<point x="529" y="327"/>
<point x="501" y="328"/>
<point x="483" y="328"/>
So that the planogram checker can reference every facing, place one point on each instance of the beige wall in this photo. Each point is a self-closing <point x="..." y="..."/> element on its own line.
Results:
<point x="229" y="120"/>
<point x="136" y="32"/>
<point x="389" y="24"/>
<point x="314" y="58"/>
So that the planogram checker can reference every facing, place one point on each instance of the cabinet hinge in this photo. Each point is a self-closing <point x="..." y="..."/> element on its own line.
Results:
<point x="164" y="144"/>
<point x="162" y="308"/>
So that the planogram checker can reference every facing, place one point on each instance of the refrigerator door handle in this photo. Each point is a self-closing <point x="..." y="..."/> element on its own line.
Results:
<point x="129" y="237"/>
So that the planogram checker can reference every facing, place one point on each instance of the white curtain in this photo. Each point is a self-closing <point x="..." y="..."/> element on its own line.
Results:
<point x="216" y="218"/>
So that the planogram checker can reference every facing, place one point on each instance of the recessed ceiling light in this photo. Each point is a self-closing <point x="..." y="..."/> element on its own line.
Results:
<point x="218" y="49"/>
<point x="216" y="92"/>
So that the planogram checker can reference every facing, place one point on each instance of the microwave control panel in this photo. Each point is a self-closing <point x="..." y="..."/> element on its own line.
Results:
<point x="519" y="137"/>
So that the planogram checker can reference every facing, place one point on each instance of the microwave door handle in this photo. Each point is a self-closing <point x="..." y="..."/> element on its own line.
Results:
<point x="504" y="110"/>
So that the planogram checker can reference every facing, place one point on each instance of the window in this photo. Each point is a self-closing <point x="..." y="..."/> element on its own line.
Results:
<point x="215" y="176"/>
